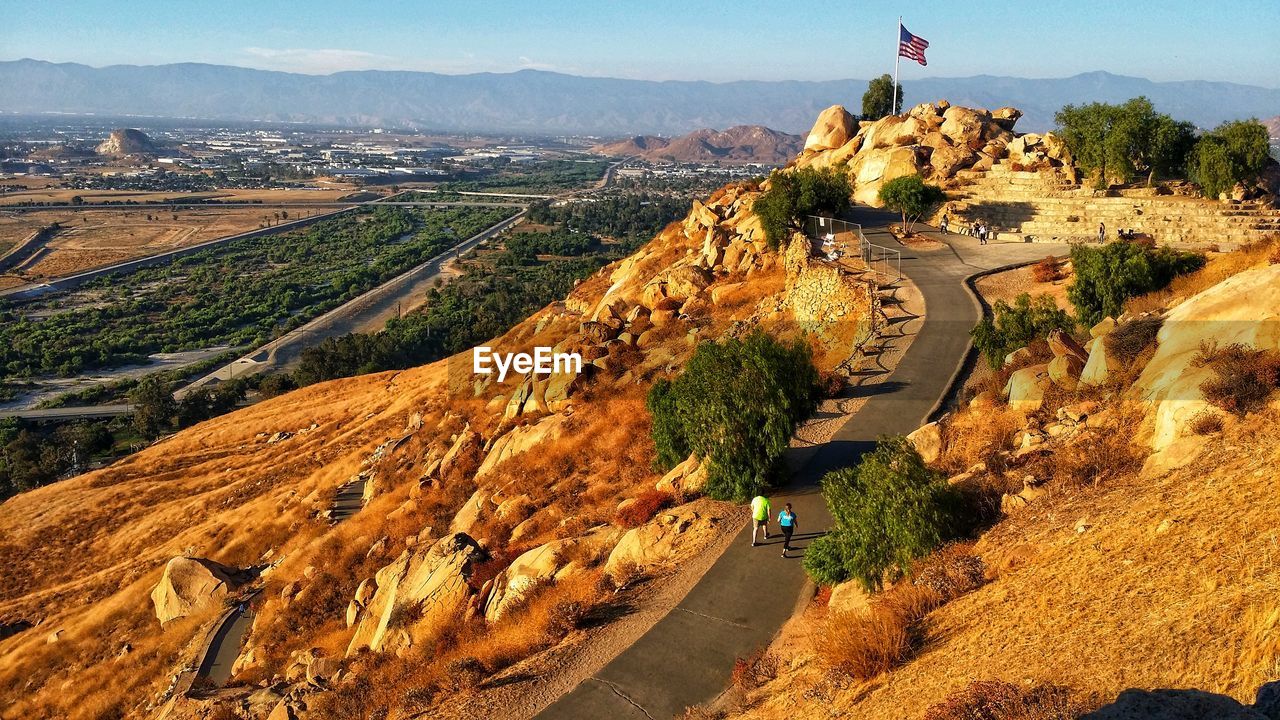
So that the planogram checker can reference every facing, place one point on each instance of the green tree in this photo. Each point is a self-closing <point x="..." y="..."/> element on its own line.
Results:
<point x="886" y="512"/>
<point x="1107" y="276"/>
<point x="1233" y="152"/>
<point x="877" y="101"/>
<point x="1117" y="142"/>
<point x="735" y="405"/>
<point x="910" y="196"/>
<point x="153" y="407"/>
<point x="796" y="194"/>
<point x="1014" y="326"/>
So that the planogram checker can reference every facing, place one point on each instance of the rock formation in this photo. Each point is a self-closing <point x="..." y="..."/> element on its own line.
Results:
<point x="191" y="584"/>
<point x="127" y="141"/>
<point x="740" y="144"/>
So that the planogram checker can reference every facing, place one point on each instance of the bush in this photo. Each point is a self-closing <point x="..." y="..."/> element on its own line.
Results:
<point x="887" y="512"/>
<point x="754" y="670"/>
<point x="911" y="197"/>
<point x="950" y="572"/>
<point x="1014" y="326"/>
<point x="796" y="194"/>
<point x="998" y="700"/>
<point x="1107" y="276"/>
<point x="648" y="504"/>
<point x="736" y="405"/>
<point x="1243" y="378"/>
<point x="1205" y="422"/>
<point x="824" y="561"/>
<point x="864" y="645"/>
<point x="1128" y="340"/>
<point x="1047" y="270"/>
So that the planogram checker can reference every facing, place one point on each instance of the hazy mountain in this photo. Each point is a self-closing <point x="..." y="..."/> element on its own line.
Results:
<point x="1273" y="127"/>
<point x="741" y="144"/>
<point x="544" y="102"/>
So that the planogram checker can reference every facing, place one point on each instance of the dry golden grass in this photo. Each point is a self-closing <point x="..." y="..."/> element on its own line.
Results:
<point x="976" y="435"/>
<point x="266" y="195"/>
<point x="1219" y="267"/>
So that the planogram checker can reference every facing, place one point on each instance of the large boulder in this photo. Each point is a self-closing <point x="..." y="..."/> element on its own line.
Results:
<point x="520" y="440"/>
<point x="189" y="584"/>
<point x="927" y="440"/>
<point x="467" y="440"/>
<point x="689" y="477"/>
<point x="1244" y="309"/>
<point x="1064" y="371"/>
<point x="1005" y="117"/>
<point x="1063" y="344"/>
<point x="872" y="168"/>
<point x="966" y="126"/>
<point x="672" y="536"/>
<point x="834" y="128"/>
<point x="542" y="565"/>
<point x="418" y="594"/>
<point x="1025" y="389"/>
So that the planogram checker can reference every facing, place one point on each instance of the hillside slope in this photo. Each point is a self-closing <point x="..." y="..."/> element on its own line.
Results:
<point x="742" y="144"/>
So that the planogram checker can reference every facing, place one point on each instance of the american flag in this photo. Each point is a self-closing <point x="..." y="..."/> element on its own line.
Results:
<point x="910" y="46"/>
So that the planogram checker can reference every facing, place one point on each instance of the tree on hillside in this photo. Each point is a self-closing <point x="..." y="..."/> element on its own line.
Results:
<point x="888" y="511"/>
<point x="794" y="195"/>
<point x="735" y="405"/>
<point x="877" y="101"/>
<point x="1117" y="142"/>
<point x="153" y="407"/>
<point x="912" y="197"/>
<point x="1233" y="152"/>
<point x="1107" y="276"/>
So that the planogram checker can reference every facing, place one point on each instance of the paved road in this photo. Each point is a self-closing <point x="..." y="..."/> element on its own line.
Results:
<point x="292" y="204"/>
<point x="737" y="607"/>
<point x="69" y="413"/>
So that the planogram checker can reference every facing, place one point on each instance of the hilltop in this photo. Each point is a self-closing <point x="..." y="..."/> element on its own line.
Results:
<point x="737" y="145"/>
<point x="127" y="141"/>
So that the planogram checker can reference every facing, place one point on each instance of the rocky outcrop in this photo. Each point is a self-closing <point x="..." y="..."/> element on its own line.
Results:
<point x="127" y="141"/>
<point x="543" y="564"/>
<point x="934" y="141"/>
<point x="191" y="584"/>
<point x="1025" y="389"/>
<point x="687" y="478"/>
<point x="927" y="440"/>
<point x="417" y="594"/>
<point x="520" y="440"/>
<point x="674" y="535"/>
<point x="1244" y="308"/>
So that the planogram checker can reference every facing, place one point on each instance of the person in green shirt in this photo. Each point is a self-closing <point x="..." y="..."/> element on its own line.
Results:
<point x="759" y="517"/>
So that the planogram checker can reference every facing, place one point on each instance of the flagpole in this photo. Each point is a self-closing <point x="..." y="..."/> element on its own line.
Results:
<point x="897" y="59"/>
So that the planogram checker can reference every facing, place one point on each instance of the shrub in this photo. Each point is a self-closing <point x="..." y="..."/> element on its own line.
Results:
<point x="565" y="617"/>
<point x="1127" y="341"/>
<point x="824" y="561"/>
<point x="1205" y="422"/>
<point x="736" y="405"/>
<point x="648" y="504"/>
<point x="887" y="512"/>
<point x="864" y="645"/>
<point x="1243" y="378"/>
<point x="754" y="670"/>
<point x="911" y="197"/>
<point x="1014" y="326"/>
<point x="951" y="572"/>
<point x="796" y="194"/>
<point x="1095" y="457"/>
<point x="1107" y="276"/>
<point x="1047" y="270"/>
<point x="998" y="700"/>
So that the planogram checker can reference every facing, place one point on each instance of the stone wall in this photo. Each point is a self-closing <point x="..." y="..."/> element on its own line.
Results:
<point x="835" y="305"/>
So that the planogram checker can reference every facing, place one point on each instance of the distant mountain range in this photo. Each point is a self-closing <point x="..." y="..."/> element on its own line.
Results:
<point x="741" y="144"/>
<point x="532" y="101"/>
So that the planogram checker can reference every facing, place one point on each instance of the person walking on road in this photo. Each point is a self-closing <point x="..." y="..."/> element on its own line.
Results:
<point x="943" y="225"/>
<point x="787" y="522"/>
<point x="759" y="517"/>
<point x="1102" y="232"/>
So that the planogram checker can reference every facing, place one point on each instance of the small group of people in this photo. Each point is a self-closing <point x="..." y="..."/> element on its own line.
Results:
<point x="978" y="228"/>
<point x="787" y="522"/>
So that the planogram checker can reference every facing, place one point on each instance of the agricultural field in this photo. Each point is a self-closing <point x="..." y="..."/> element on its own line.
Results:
<point x="241" y="293"/>
<point x="65" y="196"/>
<point x="102" y="237"/>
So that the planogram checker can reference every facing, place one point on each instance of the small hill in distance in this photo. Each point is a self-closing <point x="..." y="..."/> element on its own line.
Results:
<point x="742" y="144"/>
<point x="1273" y="127"/>
<point x="127" y="141"/>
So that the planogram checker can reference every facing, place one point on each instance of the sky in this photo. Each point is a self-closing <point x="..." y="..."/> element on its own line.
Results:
<point x="663" y="40"/>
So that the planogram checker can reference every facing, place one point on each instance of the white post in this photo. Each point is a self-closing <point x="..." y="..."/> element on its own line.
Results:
<point x="897" y="59"/>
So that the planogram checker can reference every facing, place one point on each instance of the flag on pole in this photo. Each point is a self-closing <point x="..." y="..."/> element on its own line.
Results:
<point x="910" y="46"/>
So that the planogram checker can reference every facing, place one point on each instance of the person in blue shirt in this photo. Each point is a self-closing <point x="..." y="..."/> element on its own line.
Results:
<point x="787" y="521"/>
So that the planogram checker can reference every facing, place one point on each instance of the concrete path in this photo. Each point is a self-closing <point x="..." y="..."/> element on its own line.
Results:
<point x="743" y="600"/>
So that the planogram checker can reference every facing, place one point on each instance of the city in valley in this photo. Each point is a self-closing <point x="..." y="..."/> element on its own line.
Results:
<point x="456" y="361"/>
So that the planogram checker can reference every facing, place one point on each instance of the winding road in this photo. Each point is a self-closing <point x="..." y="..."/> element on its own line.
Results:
<point x="739" y="605"/>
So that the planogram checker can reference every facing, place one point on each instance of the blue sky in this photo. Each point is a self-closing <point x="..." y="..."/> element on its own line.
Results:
<point x="662" y="40"/>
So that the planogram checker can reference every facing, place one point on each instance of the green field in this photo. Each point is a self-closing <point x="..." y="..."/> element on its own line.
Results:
<point x="242" y="293"/>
